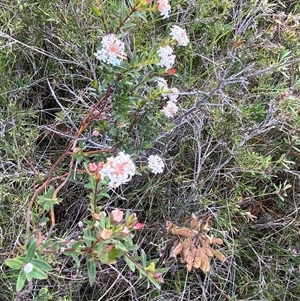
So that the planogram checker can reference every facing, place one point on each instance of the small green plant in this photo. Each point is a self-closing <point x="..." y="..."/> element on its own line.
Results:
<point x="31" y="265"/>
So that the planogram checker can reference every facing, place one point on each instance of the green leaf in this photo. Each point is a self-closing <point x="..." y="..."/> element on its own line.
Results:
<point x="31" y="250"/>
<point x="162" y="270"/>
<point x="128" y="240"/>
<point x="41" y="264"/>
<point x="50" y="192"/>
<point x="87" y="235"/>
<point x="15" y="263"/>
<point x="91" y="267"/>
<point x="142" y="272"/>
<point x="76" y="259"/>
<point x="144" y="258"/>
<point x="100" y="247"/>
<point x="96" y="11"/>
<point x="89" y="239"/>
<point x="123" y="11"/>
<point x="141" y="15"/>
<point x="28" y="276"/>
<point x="37" y="273"/>
<point x="76" y="246"/>
<point x="120" y="246"/>
<point x="103" y="257"/>
<point x="130" y="263"/>
<point x="43" y="220"/>
<point x="153" y="281"/>
<point x="115" y="253"/>
<point x="102" y="195"/>
<point x="47" y="201"/>
<point x="21" y="280"/>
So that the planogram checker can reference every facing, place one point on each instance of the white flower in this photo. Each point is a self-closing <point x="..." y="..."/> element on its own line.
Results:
<point x="164" y="8"/>
<point x="167" y="58"/>
<point x="174" y="94"/>
<point x="170" y="109"/>
<point x="179" y="35"/>
<point x="162" y="84"/>
<point x="156" y="164"/>
<point x="112" y="51"/>
<point x="28" y="267"/>
<point x="119" y="170"/>
<point x="171" y="93"/>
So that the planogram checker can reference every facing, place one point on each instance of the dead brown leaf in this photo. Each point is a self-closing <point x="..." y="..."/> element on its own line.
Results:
<point x="180" y="231"/>
<point x="219" y="255"/>
<point x="176" y="250"/>
<point x="203" y="259"/>
<point x="195" y="249"/>
<point x="217" y="241"/>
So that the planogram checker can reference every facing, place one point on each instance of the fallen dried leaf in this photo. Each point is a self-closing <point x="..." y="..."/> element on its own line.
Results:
<point x="217" y="241"/>
<point x="195" y="250"/>
<point x="219" y="255"/>
<point x="176" y="250"/>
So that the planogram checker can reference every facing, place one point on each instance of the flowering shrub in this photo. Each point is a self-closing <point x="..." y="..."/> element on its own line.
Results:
<point x="129" y="106"/>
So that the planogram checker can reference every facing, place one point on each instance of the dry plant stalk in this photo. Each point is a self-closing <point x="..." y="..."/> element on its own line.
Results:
<point x="194" y="244"/>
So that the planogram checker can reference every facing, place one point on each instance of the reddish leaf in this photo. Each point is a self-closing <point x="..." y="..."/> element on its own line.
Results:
<point x="171" y="71"/>
<point x="138" y="226"/>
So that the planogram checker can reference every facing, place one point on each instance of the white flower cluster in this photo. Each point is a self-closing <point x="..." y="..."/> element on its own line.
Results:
<point x="119" y="170"/>
<point x="179" y="35"/>
<point x="166" y="56"/>
<point x="156" y="164"/>
<point x="170" y="109"/>
<point x="172" y="93"/>
<point x="112" y="50"/>
<point x="164" y="8"/>
<point x="163" y="85"/>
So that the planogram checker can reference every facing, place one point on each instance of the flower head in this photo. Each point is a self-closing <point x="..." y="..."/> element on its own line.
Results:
<point x="112" y="50"/>
<point x="156" y="164"/>
<point x="116" y="216"/>
<point x="174" y="94"/>
<point x="93" y="167"/>
<point x="167" y="58"/>
<point x="162" y="84"/>
<point x="138" y="226"/>
<point x="28" y="267"/>
<point x="164" y="8"/>
<point x="179" y="35"/>
<point x="119" y="170"/>
<point x="170" y="109"/>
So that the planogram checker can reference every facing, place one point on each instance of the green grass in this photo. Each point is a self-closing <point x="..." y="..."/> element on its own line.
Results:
<point x="237" y="151"/>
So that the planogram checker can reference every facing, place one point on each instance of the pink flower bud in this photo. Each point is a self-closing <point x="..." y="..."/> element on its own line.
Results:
<point x="116" y="216"/>
<point x="138" y="226"/>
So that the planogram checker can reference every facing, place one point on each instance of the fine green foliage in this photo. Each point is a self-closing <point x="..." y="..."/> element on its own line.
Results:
<point x="75" y="224"/>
